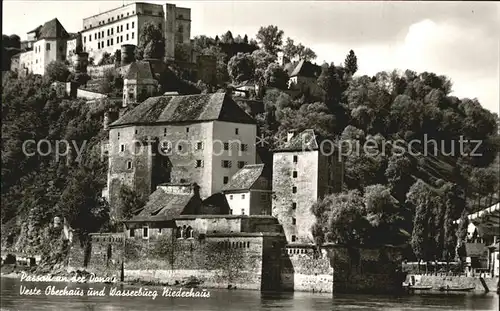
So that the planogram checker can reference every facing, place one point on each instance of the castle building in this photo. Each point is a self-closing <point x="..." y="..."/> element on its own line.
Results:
<point x="304" y="170"/>
<point x="107" y="31"/>
<point x="47" y="44"/>
<point x="179" y="139"/>
<point x="249" y="191"/>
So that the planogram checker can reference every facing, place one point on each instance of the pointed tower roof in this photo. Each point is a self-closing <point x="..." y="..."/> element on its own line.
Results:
<point x="53" y="30"/>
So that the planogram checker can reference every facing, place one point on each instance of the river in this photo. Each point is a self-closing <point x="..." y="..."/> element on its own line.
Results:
<point x="227" y="300"/>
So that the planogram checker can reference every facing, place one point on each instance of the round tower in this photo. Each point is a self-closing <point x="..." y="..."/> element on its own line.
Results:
<point x="81" y="61"/>
<point x="128" y="54"/>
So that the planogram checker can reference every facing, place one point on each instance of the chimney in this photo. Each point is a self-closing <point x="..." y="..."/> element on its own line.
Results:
<point x="128" y="54"/>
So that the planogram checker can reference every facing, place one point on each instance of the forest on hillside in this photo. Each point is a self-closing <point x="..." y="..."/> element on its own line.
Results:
<point x="389" y="198"/>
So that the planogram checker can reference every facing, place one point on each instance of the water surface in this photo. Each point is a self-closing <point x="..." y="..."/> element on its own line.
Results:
<point x="229" y="300"/>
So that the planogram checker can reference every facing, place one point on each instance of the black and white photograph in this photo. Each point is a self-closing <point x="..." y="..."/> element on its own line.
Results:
<point x="250" y="155"/>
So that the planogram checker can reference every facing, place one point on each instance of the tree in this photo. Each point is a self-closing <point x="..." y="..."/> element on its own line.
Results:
<point x="351" y="63"/>
<point x="57" y="71"/>
<point x="241" y="67"/>
<point x="271" y="39"/>
<point x="276" y="76"/>
<point x="309" y="116"/>
<point x="118" y="57"/>
<point x="151" y="43"/>
<point x="261" y="60"/>
<point x="130" y="202"/>
<point x="227" y="38"/>
<point x="292" y="51"/>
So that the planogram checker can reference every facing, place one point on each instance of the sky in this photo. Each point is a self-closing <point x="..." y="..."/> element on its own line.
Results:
<point x="458" y="39"/>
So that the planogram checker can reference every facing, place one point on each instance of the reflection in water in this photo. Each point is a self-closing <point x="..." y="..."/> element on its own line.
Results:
<point x="236" y="300"/>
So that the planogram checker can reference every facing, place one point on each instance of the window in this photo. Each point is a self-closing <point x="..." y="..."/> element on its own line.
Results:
<point x="242" y="211"/>
<point x="122" y="15"/>
<point x="294" y="221"/>
<point x="294" y="238"/>
<point x="121" y="38"/>
<point x="121" y="28"/>
<point x="117" y="29"/>
<point x="189" y="232"/>
<point x="225" y="180"/>
<point x="108" y="32"/>
<point x="179" y="147"/>
<point x="230" y="197"/>
<point x="199" y="163"/>
<point x="117" y="39"/>
<point x="129" y="165"/>
<point x="294" y="189"/>
<point x="243" y="197"/>
<point x="226" y="163"/>
<point x="84" y="39"/>
<point x="98" y="45"/>
<point x="295" y="159"/>
<point x="165" y="145"/>
<point x="47" y="47"/>
<point x="230" y="211"/>
<point x="165" y="132"/>
<point x="111" y="41"/>
<point x="118" y="135"/>
<point x="112" y="30"/>
<point x="199" y="145"/>
<point x="132" y="35"/>
<point x="127" y="26"/>
<point x="127" y="36"/>
<point x="241" y="164"/>
<point x="181" y="29"/>
<point x="122" y="148"/>
<point x="136" y="132"/>
<point x="145" y="232"/>
<point x="236" y="131"/>
<point x="294" y="174"/>
<point x="90" y="38"/>
<point x="131" y="233"/>
<point x="243" y="147"/>
<point x="95" y="36"/>
<point x="226" y="146"/>
<point x="187" y="129"/>
<point x="294" y="205"/>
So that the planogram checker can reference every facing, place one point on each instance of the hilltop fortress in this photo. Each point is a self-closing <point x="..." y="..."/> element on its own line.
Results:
<point x="216" y="210"/>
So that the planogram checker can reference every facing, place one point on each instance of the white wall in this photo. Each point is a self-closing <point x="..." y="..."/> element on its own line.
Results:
<point x="226" y="132"/>
<point x="239" y="202"/>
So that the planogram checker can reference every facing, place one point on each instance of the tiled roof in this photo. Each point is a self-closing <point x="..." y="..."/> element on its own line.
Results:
<point x="186" y="108"/>
<point x="306" y="69"/>
<point x="245" y="177"/>
<point x="167" y="206"/>
<point x="139" y="70"/>
<point x="306" y="140"/>
<point x="52" y="29"/>
<point x="37" y="29"/>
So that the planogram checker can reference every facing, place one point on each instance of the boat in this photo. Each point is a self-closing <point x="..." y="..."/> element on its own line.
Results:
<point x="456" y="289"/>
<point x="417" y="287"/>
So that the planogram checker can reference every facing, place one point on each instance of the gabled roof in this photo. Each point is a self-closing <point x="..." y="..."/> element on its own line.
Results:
<point x="138" y="70"/>
<point x="52" y="30"/>
<point x="186" y="108"/>
<point x="245" y="177"/>
<point x="36" y="30"/>
<point x="306" y="69"/>
<point x="163" y="205"/>
<point x="306" y="140"/>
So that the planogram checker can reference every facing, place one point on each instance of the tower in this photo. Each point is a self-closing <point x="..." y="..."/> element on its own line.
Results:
<point x="169" y="31"/>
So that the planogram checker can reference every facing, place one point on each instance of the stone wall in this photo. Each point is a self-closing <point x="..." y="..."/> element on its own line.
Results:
<point x="215" y="260"/>
<point x="306" y="269"/>
<point x="334" y="268"/>
<point x="365" y="270"/>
